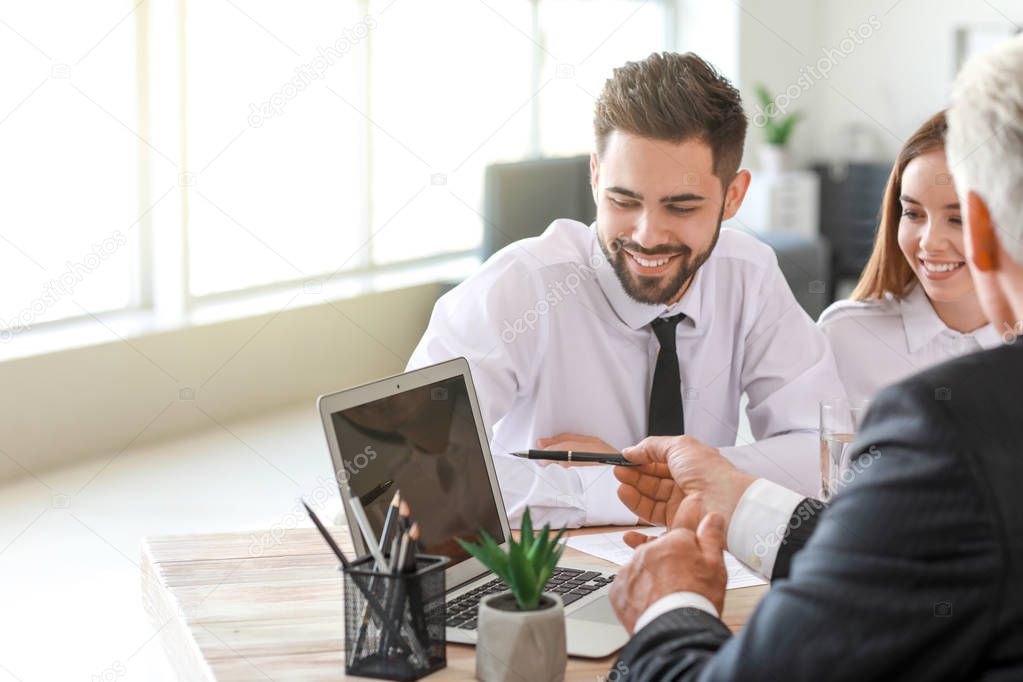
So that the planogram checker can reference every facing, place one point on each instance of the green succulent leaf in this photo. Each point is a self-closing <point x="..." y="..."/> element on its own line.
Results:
<point x="526" y="532"/>
<point x="522" y="582"/>
<point x="543" y="575"/>
<point x="489" y="553"/>
<point x="527" y="564"/>
<point x="540" y="544"/>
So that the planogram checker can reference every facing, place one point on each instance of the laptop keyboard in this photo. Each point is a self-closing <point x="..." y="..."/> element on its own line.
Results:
<point x="571" y="583"/>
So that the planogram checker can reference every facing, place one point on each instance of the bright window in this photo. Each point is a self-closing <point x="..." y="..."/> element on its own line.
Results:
<point x="68" y="237"/>
<point x="282" y="142"/>
<point x="578" y="62"/>
<point x="275" y="153"/>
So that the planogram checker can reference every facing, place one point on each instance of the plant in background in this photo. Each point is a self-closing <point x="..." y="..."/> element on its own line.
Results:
<point x="777" y="128"/>
<point x="527" y="565"/>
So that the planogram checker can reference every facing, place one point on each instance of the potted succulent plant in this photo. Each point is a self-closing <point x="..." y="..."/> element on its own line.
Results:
<point x="778" y="128"/>
<point x="521" y="632"/>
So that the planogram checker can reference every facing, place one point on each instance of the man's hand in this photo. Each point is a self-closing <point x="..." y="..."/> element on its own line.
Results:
<point x="678" y="561"/>
<point x="574" y="441"/>
<point x="675" y="469"/>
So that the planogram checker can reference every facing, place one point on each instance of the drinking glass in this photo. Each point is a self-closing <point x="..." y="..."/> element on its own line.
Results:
<point x="839" y="421"/>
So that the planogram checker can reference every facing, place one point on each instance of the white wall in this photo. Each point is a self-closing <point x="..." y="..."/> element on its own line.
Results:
<point x="890" y="82"/>
<point x="96" y="401"/>
<point x="710" y="29"/>
<point x="776" y="39"/>
<point x="903" y="74"/>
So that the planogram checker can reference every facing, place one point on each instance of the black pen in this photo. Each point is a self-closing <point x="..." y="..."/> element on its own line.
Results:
<point x="376" y="492"/>
<point x="576" y="456"/>
<point x="327" y="536"/>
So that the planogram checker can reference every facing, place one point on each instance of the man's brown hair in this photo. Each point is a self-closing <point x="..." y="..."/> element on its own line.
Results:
<point x="674" y="97"/>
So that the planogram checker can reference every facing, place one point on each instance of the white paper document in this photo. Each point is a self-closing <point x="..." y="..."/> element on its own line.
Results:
<point x="611" y="547"/>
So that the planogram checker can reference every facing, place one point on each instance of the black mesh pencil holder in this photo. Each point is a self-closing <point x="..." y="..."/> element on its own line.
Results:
<point x="394" y="624"/>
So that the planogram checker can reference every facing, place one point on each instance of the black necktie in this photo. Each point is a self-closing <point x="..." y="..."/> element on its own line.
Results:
<point x="665" y="416"/>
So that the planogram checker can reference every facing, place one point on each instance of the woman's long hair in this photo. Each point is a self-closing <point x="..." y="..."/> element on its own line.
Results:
<point x="887" y="271"/>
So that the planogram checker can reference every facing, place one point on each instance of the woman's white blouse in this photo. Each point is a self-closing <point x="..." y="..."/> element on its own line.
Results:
<point x="877" y="343"/>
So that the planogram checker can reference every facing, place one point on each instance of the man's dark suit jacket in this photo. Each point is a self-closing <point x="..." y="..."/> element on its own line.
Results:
<point x="914" y="572"/>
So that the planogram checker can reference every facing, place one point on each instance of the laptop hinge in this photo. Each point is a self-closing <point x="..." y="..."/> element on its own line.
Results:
<point x="471" y="580"/>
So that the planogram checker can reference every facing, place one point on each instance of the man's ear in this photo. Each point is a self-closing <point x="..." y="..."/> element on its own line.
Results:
<point x="594" y="174"/>
<point x="734" y="194"/>
<point x="981" y="240"/>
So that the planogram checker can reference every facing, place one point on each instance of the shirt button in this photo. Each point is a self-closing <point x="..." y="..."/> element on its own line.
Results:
<point x="754" y="562"/>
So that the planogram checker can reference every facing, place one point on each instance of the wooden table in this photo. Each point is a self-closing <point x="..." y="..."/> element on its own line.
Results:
<point x="267" y="606"/>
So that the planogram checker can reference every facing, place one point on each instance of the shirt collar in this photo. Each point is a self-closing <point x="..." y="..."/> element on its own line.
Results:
<point x="923" y="325"/>
<point x="988" y="337"/>
<point x="630" y="311"/>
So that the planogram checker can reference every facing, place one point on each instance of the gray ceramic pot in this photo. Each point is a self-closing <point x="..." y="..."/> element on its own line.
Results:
<point x="520" y="645"/>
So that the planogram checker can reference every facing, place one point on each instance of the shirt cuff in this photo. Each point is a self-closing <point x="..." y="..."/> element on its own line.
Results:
<point x="759" y="523"/>
<point x="676" y="600"/>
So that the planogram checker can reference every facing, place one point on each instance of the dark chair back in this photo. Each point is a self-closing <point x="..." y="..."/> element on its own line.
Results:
<point x="521" y="199"/>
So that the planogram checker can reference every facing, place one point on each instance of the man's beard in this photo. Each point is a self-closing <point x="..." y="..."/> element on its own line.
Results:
<point x="656" y="290"/>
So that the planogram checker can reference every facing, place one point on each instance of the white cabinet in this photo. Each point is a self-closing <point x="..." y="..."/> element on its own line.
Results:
<point x="782" y="202"/>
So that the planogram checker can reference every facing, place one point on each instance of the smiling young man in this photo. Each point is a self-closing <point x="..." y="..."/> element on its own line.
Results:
<point x="651" y="321"/>
<point x="915" y="571"/>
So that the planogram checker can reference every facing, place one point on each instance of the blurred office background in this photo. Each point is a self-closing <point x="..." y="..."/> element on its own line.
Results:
<point x="213" y="211"/>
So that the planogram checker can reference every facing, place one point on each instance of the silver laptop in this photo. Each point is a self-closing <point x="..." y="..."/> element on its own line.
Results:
<point x="422" y="433"/>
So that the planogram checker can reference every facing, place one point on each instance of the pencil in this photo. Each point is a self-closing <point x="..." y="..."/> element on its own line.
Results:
<point x="367" y="532"/>
<point x="389" y="520"/>
<point x="371" y="603"/>
<point x="326" y="536"/>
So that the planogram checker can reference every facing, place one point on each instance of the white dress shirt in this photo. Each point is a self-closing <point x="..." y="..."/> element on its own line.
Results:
<point x="556" y="345"/>
<point x="876" y="343"/>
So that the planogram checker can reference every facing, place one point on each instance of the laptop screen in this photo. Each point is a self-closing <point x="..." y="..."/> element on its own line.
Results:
<point x="424" y="443"/>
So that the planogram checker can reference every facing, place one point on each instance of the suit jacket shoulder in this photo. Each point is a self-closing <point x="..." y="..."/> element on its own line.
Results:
<point x="917" y="561"/>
